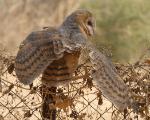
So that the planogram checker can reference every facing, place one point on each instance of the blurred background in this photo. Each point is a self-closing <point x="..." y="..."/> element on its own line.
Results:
<point x="122" y="25"/>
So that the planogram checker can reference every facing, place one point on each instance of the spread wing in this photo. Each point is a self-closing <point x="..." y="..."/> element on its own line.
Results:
<point x="36" y="52"/>
<point x="108" y="81"/>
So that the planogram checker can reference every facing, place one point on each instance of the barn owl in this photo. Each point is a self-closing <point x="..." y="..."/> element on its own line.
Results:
<point x="55" y="53"/>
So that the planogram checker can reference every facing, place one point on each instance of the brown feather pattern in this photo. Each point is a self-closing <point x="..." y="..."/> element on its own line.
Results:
<point x="55" y="53"/>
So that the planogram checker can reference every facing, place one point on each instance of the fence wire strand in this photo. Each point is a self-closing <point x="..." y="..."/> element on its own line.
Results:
<point x="79" y="100"/>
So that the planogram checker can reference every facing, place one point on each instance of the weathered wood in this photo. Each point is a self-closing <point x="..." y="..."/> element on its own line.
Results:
<point x="48" y="112"/>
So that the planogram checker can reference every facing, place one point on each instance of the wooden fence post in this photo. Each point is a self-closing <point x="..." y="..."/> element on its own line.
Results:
<point x="48" y="112"/>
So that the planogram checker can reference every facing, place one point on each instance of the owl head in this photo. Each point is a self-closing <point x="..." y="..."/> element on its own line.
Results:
<point x="82" y="19"/>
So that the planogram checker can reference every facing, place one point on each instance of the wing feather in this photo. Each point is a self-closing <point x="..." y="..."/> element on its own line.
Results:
<point x="108" y="81"/>
<point x="37" y="51"/>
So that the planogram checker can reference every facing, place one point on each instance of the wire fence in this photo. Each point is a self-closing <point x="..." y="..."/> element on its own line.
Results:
<point x="79" y="100"/>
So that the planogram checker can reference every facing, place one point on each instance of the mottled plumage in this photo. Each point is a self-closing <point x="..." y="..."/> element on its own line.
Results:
<point x="108" y="81"/>
<point x="54" y="52"/>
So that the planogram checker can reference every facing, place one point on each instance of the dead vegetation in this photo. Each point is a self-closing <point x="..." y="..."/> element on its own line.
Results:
<point x="80" y="100"/>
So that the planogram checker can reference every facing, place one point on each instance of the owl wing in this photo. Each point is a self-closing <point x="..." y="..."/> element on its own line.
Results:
<point x="108" y="81"/>
<point x="36" y="52"/>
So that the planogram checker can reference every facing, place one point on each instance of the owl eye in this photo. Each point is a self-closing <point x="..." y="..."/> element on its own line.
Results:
<point x="90" y="23"/>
